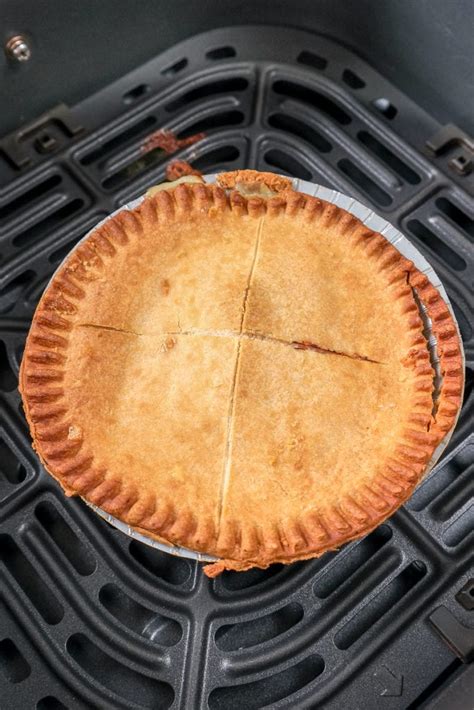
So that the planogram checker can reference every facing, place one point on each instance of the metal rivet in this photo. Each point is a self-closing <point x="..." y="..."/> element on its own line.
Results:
<point x="17" y="48"/>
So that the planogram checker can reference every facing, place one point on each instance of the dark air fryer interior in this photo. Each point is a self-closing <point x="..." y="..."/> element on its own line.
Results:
<point x="92" y="619"/>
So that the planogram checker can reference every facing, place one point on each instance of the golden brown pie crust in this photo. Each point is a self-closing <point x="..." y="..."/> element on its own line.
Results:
<point x="277" y="183"/>
<point x="244" y="377"/>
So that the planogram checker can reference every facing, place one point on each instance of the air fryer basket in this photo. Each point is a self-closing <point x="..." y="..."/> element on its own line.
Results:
<point x="90" y="618"/>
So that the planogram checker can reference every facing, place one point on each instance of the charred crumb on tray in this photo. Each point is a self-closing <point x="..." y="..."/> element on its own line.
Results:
<point x="168" y="141"/>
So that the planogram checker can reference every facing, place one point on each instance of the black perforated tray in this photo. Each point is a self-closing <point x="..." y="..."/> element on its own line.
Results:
<point x="89" y="618"/>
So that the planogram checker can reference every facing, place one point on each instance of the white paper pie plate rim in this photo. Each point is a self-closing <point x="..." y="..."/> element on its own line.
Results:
<point x="374" y="222"/>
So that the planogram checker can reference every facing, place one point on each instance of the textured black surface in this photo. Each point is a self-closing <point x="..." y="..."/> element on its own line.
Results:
<point x="89" y="618"/>
<point x="426" y="46"/>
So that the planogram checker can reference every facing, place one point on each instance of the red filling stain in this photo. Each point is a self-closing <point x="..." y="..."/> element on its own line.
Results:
<point x="305" y="345"/>
<point x="169" y="142"/>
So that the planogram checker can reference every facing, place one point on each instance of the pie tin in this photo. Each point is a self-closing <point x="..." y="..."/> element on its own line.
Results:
<point x="400" y="242"/>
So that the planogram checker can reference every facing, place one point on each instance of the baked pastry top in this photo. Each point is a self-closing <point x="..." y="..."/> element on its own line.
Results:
<point x="243" y="375"/>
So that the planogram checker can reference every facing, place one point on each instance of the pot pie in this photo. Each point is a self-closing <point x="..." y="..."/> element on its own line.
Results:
<point x="239" y="369"/>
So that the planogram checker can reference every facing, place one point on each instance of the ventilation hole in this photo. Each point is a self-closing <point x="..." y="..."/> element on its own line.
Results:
<point x="8" y="169"/>
<point x="59" y="254"/>
<point x="30" y="582"/>
<point x="16" y="353"/>
<point x="453" y="497"/>
<point x="10" y="294"/>
<point x="8" y="381"/>
<point x="34" y="292"/>
<point x="233" y="637"/>
<point x="293" y="125"/>
<point x="343" y="568"/>
<point x="436" y="245"/>
<point x="23" y="201"/>
<point x="18" y="281"/>
<point x="313" y="98"/>
<point x="135" y="94"/>
<point x="50" y="703"/>
<point x="150" y="159"/>
<point x="312" y="60"/>
<point x="287" y="164"/>
<point x="13" y="665"/>
<point x="469" y="386"/>
<point x="217" y="120"/>
<point x="140" y="128"/>
<point x="460" y="529"/>
<point x="268" y="691"/>
<point x="451" y="471"/>
<point x="384" y="602"/>
<point x="167" y="567"/>
<point x="441" y="681"/>
<point x="236" y="581"/>
<point x="384" y="107"/>
<point x="159" y="629"/>
<point x="352" y="79"/>
<point x="48" y="224"/>
<point x="66" y="540"/>
<point x="463" y="323"/>
<point x="221" y="53"/>
<point x="141" y="690"/>
<point x="10" y="469"/>
<point x="223" y="86"/>
<point x="362" y="181"/>
<point x="174" y="68"/>
<point x="389" y="158"/>
<point x="8" y="460"/>
<point x="456" y="215"/>
<point x="213" y="158"/>
<point x="19" y="352"/>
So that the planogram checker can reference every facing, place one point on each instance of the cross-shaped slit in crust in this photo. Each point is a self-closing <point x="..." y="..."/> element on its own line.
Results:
<point x="244" y="335"/>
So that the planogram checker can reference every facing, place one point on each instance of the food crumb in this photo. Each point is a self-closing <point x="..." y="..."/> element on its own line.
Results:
<point x="169" y="142"/>
<point x="179" y="168"/>
<point x="74" y="432"/>
<point x="167" y="345"/>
